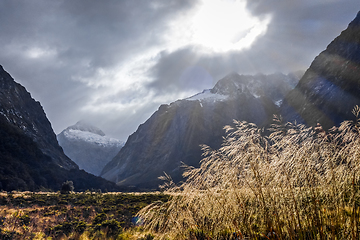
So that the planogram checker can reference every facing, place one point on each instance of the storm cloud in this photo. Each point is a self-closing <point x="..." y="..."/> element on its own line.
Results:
<point x="114" y="62"/>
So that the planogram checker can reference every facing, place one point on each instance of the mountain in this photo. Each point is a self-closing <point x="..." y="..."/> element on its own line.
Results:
<point x="174" y="132"/>
<point x="19" y="109"/>
<point x="330" y="88"/>
<point x="30" y="157"/>
<point x="88" y="146"/>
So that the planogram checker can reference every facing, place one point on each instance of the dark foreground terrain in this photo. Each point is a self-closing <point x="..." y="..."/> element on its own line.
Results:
<point x="86" y="215"/>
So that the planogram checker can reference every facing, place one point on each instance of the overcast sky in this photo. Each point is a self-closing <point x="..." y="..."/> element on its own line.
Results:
<point x="113" y="62"/>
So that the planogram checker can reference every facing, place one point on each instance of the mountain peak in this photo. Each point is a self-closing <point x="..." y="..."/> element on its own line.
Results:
<point x="229" y="85"/>
<point x="356" y="21"/>
<point x="86" y="127"/>
<point x="88" y="146"/>
<point x="273" y="85"/>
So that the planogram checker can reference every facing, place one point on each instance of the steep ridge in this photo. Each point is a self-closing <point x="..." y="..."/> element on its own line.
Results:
<point x="30" y="157"/>
<point x="330" y="88"/>
<point x="88" y="146"/>
<point x="174" y="132"/>
<point x="17" y="106"/>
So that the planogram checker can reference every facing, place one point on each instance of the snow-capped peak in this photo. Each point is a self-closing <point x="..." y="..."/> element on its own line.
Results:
<point x="90" y="137"/>
<point x="88" y="146"/>
<point x="86" y="127"/>
<point x="274" y="86"/>
<point x="85" y="132"/>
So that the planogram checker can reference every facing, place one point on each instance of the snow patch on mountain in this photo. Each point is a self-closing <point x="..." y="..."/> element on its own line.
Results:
<point x="279" y="102"/>
<point x="92" y="138"/>
<point x="274" y="86"/>
<point x="207" y="95"/>
<point x="86" y="127"/>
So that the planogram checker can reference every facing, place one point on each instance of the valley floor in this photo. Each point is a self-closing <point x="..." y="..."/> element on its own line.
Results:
<point x="86" y="215"/>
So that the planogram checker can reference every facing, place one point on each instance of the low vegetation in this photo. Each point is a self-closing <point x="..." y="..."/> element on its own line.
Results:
<point x="286" y="182"/>
<point x="87" y="215"/>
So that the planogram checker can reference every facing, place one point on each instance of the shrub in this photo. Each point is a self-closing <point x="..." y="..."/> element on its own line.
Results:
<point x="67" y="187"/>
<point x="8" y="235"/>
<point x="64" y="228"/>
<point x="24" y="220"/>
<point x="112" y="227"/>
<point x="148" y="236"/>
<point x="99" y="218"/>
<point x="80" y="227"/>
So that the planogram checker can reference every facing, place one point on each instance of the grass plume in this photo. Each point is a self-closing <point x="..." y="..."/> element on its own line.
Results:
<point x="295" y="182"/>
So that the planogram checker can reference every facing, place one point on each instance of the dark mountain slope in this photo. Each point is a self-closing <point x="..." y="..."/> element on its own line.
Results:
<point x="17" y="106"/>
<point x="330" y="88"/>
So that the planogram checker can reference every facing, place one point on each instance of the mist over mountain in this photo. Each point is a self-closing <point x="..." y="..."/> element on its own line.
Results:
<point x="173" y="134"/>
<point x="30" y="157"/>
<point x="330" y="88"/>
<point x="88" y="146"/>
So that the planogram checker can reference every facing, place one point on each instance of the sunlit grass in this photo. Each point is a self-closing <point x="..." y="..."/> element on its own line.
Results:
<point x="294" y="182"/>
<point x="88" y="215"/>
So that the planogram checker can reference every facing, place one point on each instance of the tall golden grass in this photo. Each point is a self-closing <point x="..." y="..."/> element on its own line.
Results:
<point x="286" y="182"/>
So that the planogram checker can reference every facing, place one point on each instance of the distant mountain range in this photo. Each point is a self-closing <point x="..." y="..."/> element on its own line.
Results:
<point x="30" y="156"/>
<point x="173" y="134"/>
<point x="88" y="146"/>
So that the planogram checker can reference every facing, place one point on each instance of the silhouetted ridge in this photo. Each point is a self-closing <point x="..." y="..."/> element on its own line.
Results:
<point x="330" y="88"/>
<point x="21" y="110"/>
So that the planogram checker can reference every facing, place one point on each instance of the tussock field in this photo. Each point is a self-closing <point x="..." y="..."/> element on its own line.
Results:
<point x="87" y="215"/>
<point x="286" y="182"/>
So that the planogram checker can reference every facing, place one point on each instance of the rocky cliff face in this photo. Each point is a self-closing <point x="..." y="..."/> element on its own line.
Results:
<point x="330" y="88"/>
<point x="88" y="146"/>
<point x="17" y="106"/>
<point x="30" y="157"/>
<point x="174" y="132"/>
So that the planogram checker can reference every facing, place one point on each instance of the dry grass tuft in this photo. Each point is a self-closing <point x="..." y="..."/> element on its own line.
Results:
<point x="297" y="182"/>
